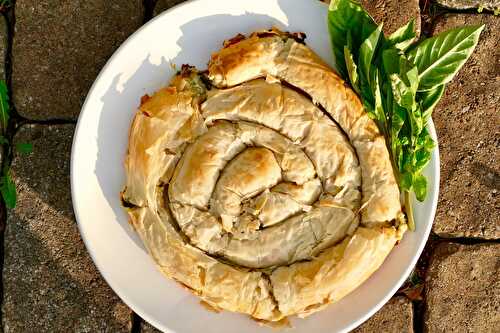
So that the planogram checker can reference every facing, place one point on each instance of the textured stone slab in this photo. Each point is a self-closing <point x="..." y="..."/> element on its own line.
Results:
<point x="60" y="47"/>
<point x="393" y="13"/>
<point x="467" y="4"/>
<point x="163" y="5"/>
<point x="3" y="45"/>
<point x="3" y="54"/>
<point x="468" y="125"/>
<point x="395" y="317"/>
<point x="463" y="289"/>
<point x="49" y="281"/>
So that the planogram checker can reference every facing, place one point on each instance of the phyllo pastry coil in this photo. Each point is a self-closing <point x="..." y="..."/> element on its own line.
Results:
<point x="261" y="184"/>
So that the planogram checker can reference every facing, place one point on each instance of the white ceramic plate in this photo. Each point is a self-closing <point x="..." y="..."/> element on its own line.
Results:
<point x="188" y="34"/>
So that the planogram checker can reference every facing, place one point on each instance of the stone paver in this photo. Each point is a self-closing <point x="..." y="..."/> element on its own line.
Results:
<point x="393" y="13"/>
<point x="395" y="317"/>
<point x="3" y="45"/>
<point x="463" y="289"/>
<point x="467" y="4"/>
<point x="468" y="128"/>
<point x="163" y="5"/>
<point x="49" y="281"/>
<point x="60" y="47"/>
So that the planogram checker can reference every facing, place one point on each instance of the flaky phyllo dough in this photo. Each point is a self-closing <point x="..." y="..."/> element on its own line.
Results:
<point x="262" y="185"/>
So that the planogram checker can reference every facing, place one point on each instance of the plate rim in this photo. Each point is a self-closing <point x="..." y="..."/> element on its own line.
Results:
<point x="123" y="296"/>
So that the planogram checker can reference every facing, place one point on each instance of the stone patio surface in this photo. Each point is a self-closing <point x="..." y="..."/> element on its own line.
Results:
<point x="52" y="50"/>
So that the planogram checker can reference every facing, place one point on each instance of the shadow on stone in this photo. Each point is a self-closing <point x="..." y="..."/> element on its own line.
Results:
<point x="486" y="175"/>
<point x="49" y="281"/>
<point x="41" y="296"/>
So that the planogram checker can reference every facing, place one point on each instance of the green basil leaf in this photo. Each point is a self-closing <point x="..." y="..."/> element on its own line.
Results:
<point x="385" y="87"/>
<point x="24" y="148"/>
<point x="398" y="88"/>
<point x="3" y="140"/>
<point x="367" y="51"/>
<point x="398" y="139"/>
<point x="404" y="140"/>
<point x="404" y="92"/>
<point x="403" y="95"/>
<point x="408" y="158"/>
<point x="402" y="38"/>
<point x="425" y="140"/>
<point x="429" y="99"/>
<point x="8" y="190"/>
<point x="4" y="106"/>
<point x="395" y="62"/>
<point x="379" y="107"/>
<point x="420" y="187"/>
<point x="412" y="77"/>
<point x="416" y="124"/>
<point x="367" y="93"/>
<point x="397" y="119"/>
<point x="439" y="58"/>
<point x="398" y="155"/>
<point x="422" y="156"/>
<point x="390" y="61"/>
<point x="406" y="181"/>
<point x="352" y="69"/>
<point x="345" y="16"/>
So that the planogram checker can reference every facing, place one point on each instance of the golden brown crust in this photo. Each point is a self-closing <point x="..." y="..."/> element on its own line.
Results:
<point x="215" y="282"/>
<point x="299" y="66"/>
<point x="250" y="196"/>
<point x="304" y="288"/>
<point x="159" y="125"/>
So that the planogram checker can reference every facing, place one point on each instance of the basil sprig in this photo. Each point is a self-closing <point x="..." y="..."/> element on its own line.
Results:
<point x="7" y="185"/>
<point x="400" y="80"/>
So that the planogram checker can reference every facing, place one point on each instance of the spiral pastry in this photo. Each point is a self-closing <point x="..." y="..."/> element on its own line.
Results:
<point x="262" y="185"/>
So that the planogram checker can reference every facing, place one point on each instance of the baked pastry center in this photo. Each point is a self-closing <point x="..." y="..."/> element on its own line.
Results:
<point x="246" y="192"/>
<point x="259" y="197"/>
